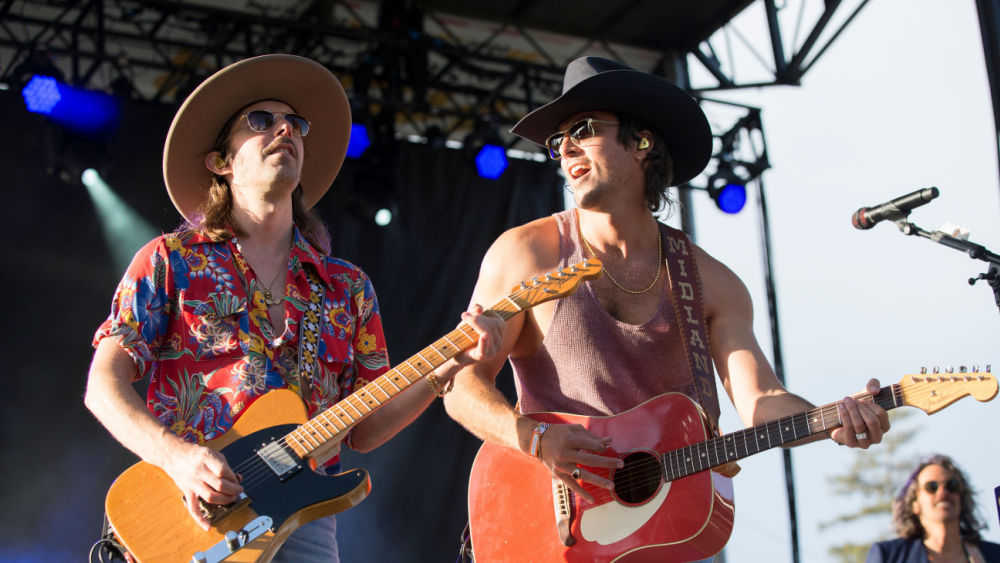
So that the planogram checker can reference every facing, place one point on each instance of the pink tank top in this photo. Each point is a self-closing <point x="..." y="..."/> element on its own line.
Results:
<point x="592" y="364"/>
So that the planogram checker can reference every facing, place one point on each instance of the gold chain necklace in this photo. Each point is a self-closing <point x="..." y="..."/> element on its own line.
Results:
<point x="269" y="297"/>
<point x="659" y="262"/>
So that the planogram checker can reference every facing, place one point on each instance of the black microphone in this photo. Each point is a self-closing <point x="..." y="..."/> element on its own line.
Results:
<point x="899" y="208"/>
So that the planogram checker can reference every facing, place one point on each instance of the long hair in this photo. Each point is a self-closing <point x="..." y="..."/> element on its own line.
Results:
<point x="214" y="216"/>
<point x="907" y="523"/>
<point x="658" y="165"/>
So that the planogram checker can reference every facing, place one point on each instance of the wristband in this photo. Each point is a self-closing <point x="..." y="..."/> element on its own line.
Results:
<point x="536" y="439"/>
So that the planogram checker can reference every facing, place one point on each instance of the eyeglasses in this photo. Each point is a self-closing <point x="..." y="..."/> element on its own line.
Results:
<point x="951" y="485"/>
<point x="263" y="121"/>
<point x="578" y="132"/>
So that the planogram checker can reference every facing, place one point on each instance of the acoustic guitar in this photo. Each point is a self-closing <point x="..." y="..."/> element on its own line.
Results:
<point x="270" y="445"/>
<point x="667" y="504"/>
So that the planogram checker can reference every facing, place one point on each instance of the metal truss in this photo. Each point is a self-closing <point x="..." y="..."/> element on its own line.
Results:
<point x="412" y="69"/>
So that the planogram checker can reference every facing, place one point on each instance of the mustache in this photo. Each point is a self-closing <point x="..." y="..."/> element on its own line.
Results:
<point x="280" y="143"/>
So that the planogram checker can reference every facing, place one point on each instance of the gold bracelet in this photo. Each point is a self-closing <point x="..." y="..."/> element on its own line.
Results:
<point x="436" y="387"/>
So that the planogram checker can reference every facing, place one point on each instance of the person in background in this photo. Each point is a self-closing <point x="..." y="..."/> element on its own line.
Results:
<point x="936" y="519"/>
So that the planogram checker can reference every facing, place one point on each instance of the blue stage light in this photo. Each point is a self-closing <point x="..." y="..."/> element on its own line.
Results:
<point x="78" y="109"/>
<point x="41" y="94"/>
<point x="359" y="142"/>
<point x="491" y="162"/>
<point x="731" y="198"/>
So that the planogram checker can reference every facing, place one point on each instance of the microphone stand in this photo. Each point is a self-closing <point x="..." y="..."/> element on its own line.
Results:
<point x="975" y="251"/>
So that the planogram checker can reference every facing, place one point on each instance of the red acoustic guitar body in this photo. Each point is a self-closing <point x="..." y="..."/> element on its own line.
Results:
<point x="514" y="507"/>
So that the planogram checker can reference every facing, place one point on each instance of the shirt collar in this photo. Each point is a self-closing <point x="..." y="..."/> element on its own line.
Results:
<point x="305" y="253"/>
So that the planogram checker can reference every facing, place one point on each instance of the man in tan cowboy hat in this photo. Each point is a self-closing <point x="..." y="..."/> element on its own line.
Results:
<point x="644" y="329"/>
<point x="244" y="298"/>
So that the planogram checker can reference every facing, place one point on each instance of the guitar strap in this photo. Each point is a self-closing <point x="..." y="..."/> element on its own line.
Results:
<point x="685" y="287"/>
<point x="309" y="335"/>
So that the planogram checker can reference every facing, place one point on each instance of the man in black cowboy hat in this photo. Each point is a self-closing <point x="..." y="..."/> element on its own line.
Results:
<point x="244" y="298"/>
<point x="622" y="138"/>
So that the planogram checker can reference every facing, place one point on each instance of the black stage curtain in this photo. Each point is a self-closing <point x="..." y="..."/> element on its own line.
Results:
<point x="59" y="278"/>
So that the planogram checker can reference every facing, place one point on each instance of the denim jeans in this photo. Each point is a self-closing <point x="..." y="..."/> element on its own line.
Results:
<point x="315" y="542"/>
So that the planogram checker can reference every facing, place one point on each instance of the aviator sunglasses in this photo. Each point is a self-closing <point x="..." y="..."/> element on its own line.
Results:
<point x="263" y="121"/>
<point x="951" y="485"/>
<point x="578" y="132"/>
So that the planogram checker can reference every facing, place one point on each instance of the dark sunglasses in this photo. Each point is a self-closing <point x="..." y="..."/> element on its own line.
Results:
<point x="951" y="485"/>
<point x="263" y="121"/>
<point x="578" y="132"/>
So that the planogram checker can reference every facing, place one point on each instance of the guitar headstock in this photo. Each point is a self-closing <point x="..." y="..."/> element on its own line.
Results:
<point x="557" y="284"/>
<point x="932" y="392"/>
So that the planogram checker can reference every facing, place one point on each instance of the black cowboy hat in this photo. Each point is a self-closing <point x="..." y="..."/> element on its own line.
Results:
<point x="595" y="83"/>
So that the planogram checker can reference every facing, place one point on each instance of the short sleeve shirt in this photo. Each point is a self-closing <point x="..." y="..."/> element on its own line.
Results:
<point x="191" y="314"/>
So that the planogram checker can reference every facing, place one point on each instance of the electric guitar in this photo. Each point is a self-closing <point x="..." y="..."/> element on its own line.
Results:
<point x="667" y="504"/>
<point x="270" y="446"/>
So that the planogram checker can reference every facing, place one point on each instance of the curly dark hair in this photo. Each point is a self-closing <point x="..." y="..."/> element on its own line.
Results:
<point x="907" y="523"/>
<point x="214" y="215"/>
<point x="658" y="165"/>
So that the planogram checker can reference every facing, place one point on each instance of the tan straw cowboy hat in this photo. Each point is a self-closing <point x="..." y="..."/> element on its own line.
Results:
<point x="307" y="86"/>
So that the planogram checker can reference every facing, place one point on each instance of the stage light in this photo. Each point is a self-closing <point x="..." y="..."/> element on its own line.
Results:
<point x="727" y="189"/>
<point x="383" y="217"/>
<point x="125" y="231"/>
<point x="491" y="161"/>
<point x="359" y="142"/>
<point x="78" y="109"/>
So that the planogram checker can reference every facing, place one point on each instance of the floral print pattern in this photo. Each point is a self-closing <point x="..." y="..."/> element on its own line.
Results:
<point x="190" y="314"/>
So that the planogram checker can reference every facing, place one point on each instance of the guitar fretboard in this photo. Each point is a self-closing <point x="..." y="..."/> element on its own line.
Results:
<point x="337" y="419"/>
<point x="749" y="441"/>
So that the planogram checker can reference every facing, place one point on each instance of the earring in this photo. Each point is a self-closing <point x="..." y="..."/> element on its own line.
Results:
<point x="219" y="161"/>
<point x="643" y="143"/>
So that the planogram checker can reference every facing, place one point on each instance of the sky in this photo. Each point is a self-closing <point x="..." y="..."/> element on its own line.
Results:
<point x="899" y="103"/>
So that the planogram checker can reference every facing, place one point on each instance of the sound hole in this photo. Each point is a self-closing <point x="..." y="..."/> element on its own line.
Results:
<point x="639" y="479"/>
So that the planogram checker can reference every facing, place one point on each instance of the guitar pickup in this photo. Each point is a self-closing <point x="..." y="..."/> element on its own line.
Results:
<point x="281" y="459"/>
<point x="234" y="541"/>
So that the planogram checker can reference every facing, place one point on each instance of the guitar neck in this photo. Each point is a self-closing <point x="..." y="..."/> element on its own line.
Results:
<point x="339" y="418"/>
<point x="749" y="441"/>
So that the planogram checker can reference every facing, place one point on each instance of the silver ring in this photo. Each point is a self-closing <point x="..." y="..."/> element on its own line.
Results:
<point x="576" y="473"/>
<point x="861" y="436"/>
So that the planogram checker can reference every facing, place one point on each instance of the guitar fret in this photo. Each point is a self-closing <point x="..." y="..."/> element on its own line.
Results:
<point x="450" y="341"/>
<point x="322" y="425"/>
<point x="391" y="382"/>
<point x="407" y="363"/>
<point x="353" y="406"/>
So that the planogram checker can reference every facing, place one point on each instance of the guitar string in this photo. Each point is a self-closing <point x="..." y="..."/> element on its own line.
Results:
<point x="649" y="471"/>
<point x="254" y="470"/>
<point x="646" y="472"/>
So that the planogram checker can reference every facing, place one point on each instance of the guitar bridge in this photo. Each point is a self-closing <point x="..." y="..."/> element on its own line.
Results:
<point x="562" y="501"/>
<point x="234" y="541"/>
<point x="215" y="512"/>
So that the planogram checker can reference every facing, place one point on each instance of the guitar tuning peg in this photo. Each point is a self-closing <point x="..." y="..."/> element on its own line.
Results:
<point x="963" y="369"/>
<point x="950" y="369"/>
<point x="923" y="370"/>
<point x="936" y="370"/>
<point x="975" y="368"/>
<point x="988" y="368"/>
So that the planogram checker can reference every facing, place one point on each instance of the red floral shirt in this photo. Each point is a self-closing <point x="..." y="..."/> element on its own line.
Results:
<point x="191" y="315"/>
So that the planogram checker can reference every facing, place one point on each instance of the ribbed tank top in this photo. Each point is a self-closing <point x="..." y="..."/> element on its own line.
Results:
<point x="592" y="364"/>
